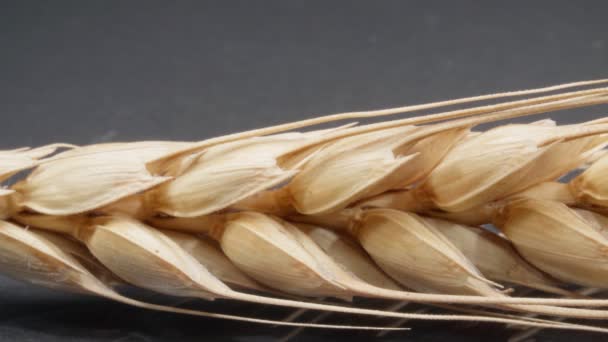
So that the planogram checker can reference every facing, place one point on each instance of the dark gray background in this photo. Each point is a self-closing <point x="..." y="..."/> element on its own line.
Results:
<point x="85" y="71"/>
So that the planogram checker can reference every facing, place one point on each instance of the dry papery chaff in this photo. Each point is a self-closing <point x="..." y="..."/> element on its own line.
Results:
<point x="549" y="234"/>
<point x="14" y="161"/>
<point x="221" y="218"/>
<point x="496" y="256"/>
<point x="415" y="251"/>
<point x="91" y="177"/>
<point x="176" y="263"/>
<point x="574" y="241"/>
<point x="56" y="261"/>
<point x="588" y="190"/>
<point x="365" y="165"/>
<point x="254" y="242"/>
<point x="180" y="179"/>
<point x="496" y="164"/>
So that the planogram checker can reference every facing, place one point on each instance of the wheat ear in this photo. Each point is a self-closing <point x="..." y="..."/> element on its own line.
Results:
<point x="221" y="218"/>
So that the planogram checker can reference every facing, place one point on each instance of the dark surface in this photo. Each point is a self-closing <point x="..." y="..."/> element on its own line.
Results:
<point x="84" y="72"/>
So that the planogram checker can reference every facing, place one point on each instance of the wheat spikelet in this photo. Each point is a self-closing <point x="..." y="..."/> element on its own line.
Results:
<point x="225" y="218"/>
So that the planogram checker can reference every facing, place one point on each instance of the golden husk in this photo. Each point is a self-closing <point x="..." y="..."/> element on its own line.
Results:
<point x="417" y="255"/>
<point x="365" y="165"/>
<point x="591" y="186"/>
<point x="147" y="258"/>
<point x="347" y="253"/>
<point x="26" y="256"/>
<point x="568" y="244"/>
<point x="270" y="252"/>
<point x="226" y="174"/>
<point x="494" y="256"/>
<point x="501" y="162"/>
<point x="54" y="261"/>
<point x="91" y="177"/>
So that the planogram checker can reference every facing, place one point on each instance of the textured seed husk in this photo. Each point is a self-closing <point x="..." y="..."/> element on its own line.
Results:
<point x="255" y="242"/>
<point x="569" y="244"/>
<point x="590" y="187"/>
<point x="417" y="255"/>
<point x="268" y="251"/>
<point x="67" y="225"/>
<point x="362" y="263"/>
<point x="27" y="256"/>
<point x="207" y="224"/>
<point x="91" y="177"/>
<point x="472" y="217"/>
<point x="125" y="246"/>
<point x="54" y="261"/>
<point x="275" y="202"/>
<point x="340" y="220"/>
<point x="367" y="164"/>
<point x="171" y="262"/>
<point x="14" y="161"/>
<point x="79" y="252"/>
<point x="237" y="170"/>
<point x="133" y="206"/>
<point x="550" y="191"/>
<point x="191" y="225"/>
<point x="492" y="113"/>
<point x="303" y="252"/>
<point x="168" y="262"/>
<point x="217" y="221"/>
<point x="330" y="179"/>
<point x="346" y="252"/>
<point x="207" y="252"/>
<point x="486" y="213"/>
<point x="513" y="158"/>
<point x="7" y="207"/>
<point x="214" y="225"/>
<point x="357" y="287"/>
<point x="588" y="96"/>
<point x="165" y="258"/>
<point x="541" y="158"/>
<point x="225" y="174"/>
<point x="494" y="256"/>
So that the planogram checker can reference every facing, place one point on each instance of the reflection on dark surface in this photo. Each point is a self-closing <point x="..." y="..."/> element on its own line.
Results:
<point x="39" y="314"/>
<point x="34" y="313"/>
